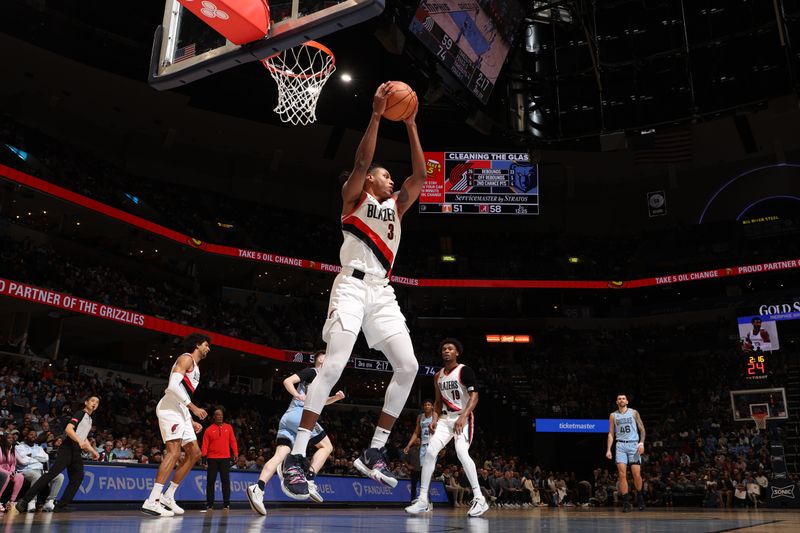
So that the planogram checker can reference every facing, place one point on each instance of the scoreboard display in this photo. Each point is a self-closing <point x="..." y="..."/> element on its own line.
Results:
<point x="471" y="38"/>
<point x="499" y="183"/>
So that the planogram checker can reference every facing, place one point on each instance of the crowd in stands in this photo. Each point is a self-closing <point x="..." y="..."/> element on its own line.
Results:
<point x="694" y="455"/>
<point x="239" y="223"/>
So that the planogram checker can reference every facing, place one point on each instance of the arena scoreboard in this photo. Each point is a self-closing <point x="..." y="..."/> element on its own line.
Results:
<point x="498" y="183"/>
<point x="471" y="38"/>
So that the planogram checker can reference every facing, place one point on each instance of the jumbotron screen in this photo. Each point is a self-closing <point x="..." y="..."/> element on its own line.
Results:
<point x="498" y="183"/>
<point x="470" y="37"/>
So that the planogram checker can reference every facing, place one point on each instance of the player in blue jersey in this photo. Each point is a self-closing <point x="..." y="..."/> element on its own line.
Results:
<point x="422" y="431"/>
<point x="629" y="429"/>
<point x="296" y="385"/>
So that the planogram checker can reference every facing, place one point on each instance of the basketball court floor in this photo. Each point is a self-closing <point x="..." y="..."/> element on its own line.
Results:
<point x="396" y="521"/>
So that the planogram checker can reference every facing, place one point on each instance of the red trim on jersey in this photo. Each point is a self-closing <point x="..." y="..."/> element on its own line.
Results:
<point x="450" y="405"/>
<point x="188" y="383"/>
<point x="374" y="237"/>
<point x="471" y="427"/>
<point x="458" y="366"/>
<point x="360" y="201"/>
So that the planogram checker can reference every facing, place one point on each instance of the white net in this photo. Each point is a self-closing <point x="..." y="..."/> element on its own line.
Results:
<point x="760" y="420"/>
<point x="300" y="73"/>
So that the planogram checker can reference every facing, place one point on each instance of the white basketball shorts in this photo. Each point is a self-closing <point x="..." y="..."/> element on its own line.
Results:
<point x="175" y="421"/>
<point x="445" y="432"/>
<point x="369" y="305"/>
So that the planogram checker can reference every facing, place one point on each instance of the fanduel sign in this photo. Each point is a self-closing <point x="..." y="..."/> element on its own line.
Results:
<point x="103" y="483"/>
<point x="571" y="425"/>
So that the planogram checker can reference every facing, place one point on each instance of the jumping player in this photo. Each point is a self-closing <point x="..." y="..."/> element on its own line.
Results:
<point x="178" y="430"/>
<point x="296" y="385"/>
<point x="456" y="398"/>
<point x="362" y="299"/>
<point x="422" y="431"/>
<point x="628" y="426"/>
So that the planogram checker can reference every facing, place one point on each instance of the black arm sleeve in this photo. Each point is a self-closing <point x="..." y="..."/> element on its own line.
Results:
<point x="468" y="379"/>
<point x="75" y="419"/>
<point x="307" y="375"/>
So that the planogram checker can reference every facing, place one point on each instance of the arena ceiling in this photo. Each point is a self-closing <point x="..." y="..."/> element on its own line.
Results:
<point x="578" y="68"/>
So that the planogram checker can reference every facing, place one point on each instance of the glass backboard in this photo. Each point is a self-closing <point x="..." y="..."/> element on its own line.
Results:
<point x="746" y="403"/>
<point x="186" y="49"/>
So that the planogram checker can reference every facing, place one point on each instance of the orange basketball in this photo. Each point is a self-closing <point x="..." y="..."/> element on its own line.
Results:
<point x="402" y="103"/>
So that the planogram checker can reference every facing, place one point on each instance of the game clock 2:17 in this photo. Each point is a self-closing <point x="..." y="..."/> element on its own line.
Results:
<point x="756" y="366"/>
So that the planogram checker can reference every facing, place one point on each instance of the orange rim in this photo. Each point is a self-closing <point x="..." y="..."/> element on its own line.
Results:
<point x="313" y="44"/>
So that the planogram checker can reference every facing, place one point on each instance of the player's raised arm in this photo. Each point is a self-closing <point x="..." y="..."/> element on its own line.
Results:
<point x="411" y="188"/>
<point x="351" y="190"/>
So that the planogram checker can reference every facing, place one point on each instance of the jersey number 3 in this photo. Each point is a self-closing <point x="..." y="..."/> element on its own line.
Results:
<point x="390" y="236"/>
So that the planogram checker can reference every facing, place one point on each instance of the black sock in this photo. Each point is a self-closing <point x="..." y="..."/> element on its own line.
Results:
<point x="261" y="484"/>
<point x="626" y="498"/>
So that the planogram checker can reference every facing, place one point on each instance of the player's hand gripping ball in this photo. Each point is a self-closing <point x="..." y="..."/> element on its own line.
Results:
<point x="401" y="103"/>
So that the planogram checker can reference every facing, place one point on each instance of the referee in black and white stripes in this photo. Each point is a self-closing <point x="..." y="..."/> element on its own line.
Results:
<point x="69" y="457"/>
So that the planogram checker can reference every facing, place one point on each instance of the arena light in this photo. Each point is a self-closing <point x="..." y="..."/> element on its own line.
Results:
<point x="574" y="260"/>
<point x="507" y="339"/>
<point x="448" y="258"/>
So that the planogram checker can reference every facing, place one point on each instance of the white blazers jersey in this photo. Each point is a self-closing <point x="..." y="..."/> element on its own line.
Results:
<point x="455" y="394"/>
<point x="190" y="380"/>
<point x="371" y="236"/>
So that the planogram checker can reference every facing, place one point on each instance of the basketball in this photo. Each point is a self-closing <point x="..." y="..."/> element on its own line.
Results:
<point x="401" y="103"/>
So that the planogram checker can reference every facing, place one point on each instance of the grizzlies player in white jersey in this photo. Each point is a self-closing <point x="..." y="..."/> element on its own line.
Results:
<point x="422" y="431"/>
<point x="629" y="429"/>
<point x="362" y="299"/>
<point x="296" y="386"/>
<point x="456" y="397"/>
<point x="178" y="430"/>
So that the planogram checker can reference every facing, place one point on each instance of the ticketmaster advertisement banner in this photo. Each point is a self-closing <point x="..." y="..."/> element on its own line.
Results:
<point x="571" y="425"/>
<point x="102" y="483"/>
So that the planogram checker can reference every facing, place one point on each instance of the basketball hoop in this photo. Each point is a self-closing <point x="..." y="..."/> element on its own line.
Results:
<point x="760" y="419"/>
<point x="300" y="73"/>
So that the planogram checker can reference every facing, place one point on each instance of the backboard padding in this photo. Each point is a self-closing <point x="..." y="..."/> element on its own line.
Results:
<point x="183" y="51"/>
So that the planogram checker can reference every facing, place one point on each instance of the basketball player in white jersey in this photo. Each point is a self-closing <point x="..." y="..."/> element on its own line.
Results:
<point x="422" y="431"/>
<point x="629" y="429"/>
<point x="456" y="397"/>
<point x="362" y="299"/>
<point x="758" y="339"/>
<point x="178" y="430"/>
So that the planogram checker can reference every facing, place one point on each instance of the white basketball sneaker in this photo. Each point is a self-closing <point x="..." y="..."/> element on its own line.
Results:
<point x="256" y="498"/>
<point x="478" y="507"/>
<point x="168" y="502"/>
<point x="155" y="509"/>
<point x="419" y="506"/>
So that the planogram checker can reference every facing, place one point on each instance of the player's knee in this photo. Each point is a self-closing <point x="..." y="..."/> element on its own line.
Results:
<point x="407" y="369"/>
<point x="193" y="454"/>
<point x="332" y="369"/>
<point x="325" y="445"/>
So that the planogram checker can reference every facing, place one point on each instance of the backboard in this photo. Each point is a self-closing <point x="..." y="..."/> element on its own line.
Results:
<point x="186" y="49"/>
<point x="746" y="403"/>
